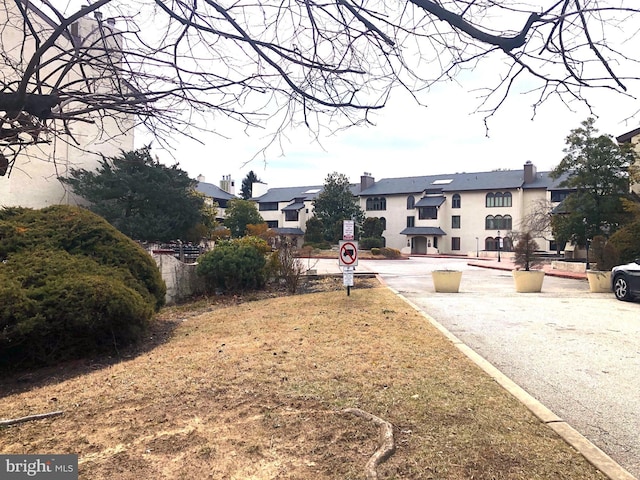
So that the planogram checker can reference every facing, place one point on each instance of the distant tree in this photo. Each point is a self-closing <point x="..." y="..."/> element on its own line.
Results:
<point x="372" y="228"/>
<point x="314" y="231"/>
<point x="336" y="203"/>
<point x="142" y="198"/>
<point x="239" y="214"/>
<point x="247" y="185"/>
<point x="598" y="169"/>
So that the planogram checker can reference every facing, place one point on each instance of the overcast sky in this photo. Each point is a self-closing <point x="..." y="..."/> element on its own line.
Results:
<point x="409" y="140"/>
<point x="446" y="136"/>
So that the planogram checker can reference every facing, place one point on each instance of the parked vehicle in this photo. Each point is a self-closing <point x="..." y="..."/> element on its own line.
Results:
<point x="625" y="280"/>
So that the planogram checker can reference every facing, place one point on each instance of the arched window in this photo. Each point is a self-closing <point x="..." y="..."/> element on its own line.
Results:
<point x="455" y="201"/>
<point x="411" y="202"/>
<point x="490" y="244"/>
<point x="376" y="203"/>
<point x="489" y="223"/>
<point x="507" y="222"/>
<point x="507" y="246"/>
<point x="490" y="200"/>
<point x="507" y="199"/>
<point x="498" y="199"/>
<point x="383" y="221"/>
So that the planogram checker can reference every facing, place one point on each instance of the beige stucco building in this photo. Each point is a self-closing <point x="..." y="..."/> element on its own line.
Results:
<point x="33" y="180"/>
<point x="463" y="213"/>
<point x="632" y="137"/>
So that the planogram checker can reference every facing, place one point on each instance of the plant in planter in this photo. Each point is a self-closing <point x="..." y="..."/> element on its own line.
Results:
<point x="525" y="258"/>
<point x="604" y="255"/>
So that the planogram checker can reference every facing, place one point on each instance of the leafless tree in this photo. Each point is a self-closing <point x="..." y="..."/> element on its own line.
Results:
<point x="182" y="65"/>
<point x="538" y="219"/>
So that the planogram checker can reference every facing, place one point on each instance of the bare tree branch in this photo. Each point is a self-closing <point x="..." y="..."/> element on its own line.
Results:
<point x="180" y="65"/>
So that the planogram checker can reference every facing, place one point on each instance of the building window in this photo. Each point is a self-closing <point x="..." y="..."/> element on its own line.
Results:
<point x="291" y="215"/>
<point x="411" y="222"/>
<point x="455" y="201"/>
<point x="411" y="202"/>
<point x="383" y="221"/>
<point x="491" y="244"/>
<point x="498" y="199"/>
<point x="559" y="195"/>
<point x="499" y="222"/>
<point x="428" y="213"/>
<point x="266" y="206"/>
<point x="455" y="243"/>
<point x="376" y="203"/>
<point x="455" y="221"/>
<point x="272" y="223"/>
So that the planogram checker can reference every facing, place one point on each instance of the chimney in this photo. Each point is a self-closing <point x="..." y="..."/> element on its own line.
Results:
<point x="530" y="172"/>
<point x="228" y="185"/>
<point x="366" y="181"/>
<point x="200" y="178"/>
<point x="258" y="189"/>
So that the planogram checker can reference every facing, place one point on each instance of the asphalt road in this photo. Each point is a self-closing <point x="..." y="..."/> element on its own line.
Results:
<point x="576" y="352"/>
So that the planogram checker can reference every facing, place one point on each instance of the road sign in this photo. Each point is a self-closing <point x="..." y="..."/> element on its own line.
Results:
<point x="347" y="276"/>
<point x="348" y="229"/>
<point x="348" y="254"/>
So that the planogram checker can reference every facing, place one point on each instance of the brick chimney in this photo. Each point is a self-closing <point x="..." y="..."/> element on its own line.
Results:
<point x="530" y="172"/>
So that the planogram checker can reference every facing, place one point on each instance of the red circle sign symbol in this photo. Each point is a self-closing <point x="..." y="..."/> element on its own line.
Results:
<point x="348" y="253"/>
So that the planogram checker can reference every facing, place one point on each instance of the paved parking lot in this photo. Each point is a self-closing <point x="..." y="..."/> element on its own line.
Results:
<point x="576" y="352"/>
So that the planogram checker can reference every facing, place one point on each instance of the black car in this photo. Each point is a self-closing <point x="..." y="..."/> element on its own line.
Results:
<point x="625" y="280"/>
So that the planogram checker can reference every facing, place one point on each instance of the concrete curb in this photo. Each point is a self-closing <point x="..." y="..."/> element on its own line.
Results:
<point x="588" y="450"/>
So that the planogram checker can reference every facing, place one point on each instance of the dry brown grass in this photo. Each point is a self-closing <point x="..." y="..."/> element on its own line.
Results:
<point x="254" y="391"/>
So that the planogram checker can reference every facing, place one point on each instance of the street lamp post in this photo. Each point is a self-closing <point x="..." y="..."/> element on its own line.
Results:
<point x="499" y="245"/>
<point x="477" y="250"/>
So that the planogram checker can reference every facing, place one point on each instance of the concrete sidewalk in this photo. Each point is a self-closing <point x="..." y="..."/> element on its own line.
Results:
<point x="507" y="264"/>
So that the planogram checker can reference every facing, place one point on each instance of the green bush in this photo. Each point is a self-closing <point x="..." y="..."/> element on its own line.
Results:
<point x="233" y="266"/>
<point x="626" y="242"/>
<point x="323" y="245"/>
<point x="70" y="285"/>
<point x="375" y="251"/>
<point x="80" y="233"/>
<point x="390" y="252"/>
<point x="370" y="243"/>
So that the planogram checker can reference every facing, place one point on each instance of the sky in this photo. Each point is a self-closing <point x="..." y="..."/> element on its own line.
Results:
<point x="445" y="136"/>
<point x="410" y="140"/>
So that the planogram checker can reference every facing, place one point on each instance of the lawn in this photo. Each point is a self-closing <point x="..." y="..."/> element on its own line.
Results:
<point x="256" y="390"/>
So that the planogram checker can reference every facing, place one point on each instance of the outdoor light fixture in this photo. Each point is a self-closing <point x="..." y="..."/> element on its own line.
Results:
<point x="499" y="241"/>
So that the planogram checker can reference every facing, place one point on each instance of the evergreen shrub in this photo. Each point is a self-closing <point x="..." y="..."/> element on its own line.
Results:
<point x="626" y="242"/>
<point x="390" y="252"/>
<point x="233" y="266"/>
<point x="70" y="285"/>
<point x="370" y="243"/>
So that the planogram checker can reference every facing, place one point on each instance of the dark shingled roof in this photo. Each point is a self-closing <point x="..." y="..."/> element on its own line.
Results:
<point x="459" y="182"/>
<point x="212" y="191"/>
<point x="430" y="201"/>
<point x="288" y="231"/>
<point x="293" y="207"/>
<point x="422" y="231"/>
<point x="288" y="194"/>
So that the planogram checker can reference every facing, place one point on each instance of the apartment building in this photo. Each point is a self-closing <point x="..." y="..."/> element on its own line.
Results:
<point x="460" y="213"/>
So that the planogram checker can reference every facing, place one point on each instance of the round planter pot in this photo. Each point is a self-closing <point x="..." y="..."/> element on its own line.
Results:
<point x="528" y="282"/>
<point x="446" y="281"/>
<point x="599" y="281"/>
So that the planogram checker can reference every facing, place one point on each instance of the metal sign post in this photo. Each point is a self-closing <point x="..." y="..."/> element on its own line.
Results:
<point x="348" y="259"/>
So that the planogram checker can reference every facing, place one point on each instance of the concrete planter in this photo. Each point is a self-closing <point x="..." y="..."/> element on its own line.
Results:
<point x="528" y="281"/>
<point x="599" y="281"/>
<point x="446" y="281"/>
